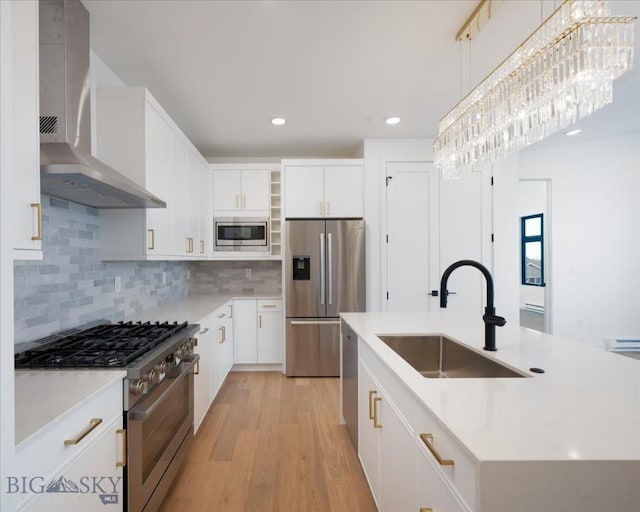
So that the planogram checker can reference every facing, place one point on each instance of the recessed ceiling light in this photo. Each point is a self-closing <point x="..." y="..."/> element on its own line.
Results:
<point x="573" y="132"/>
<point x="392" y="120"/>
<point x="278" y="121"/>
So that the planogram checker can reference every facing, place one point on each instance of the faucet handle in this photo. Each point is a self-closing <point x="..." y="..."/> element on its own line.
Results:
<point x="494" y="320"/>
<point x="435" y="293"/>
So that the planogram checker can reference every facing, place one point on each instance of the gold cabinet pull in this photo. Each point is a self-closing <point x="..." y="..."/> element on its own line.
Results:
<point x="122" y="463"/>
<point x="196" y="371"/>
<point x="426" y="510"/>
<point x="223" y="332"/>
<point x="191" y="245"/>
<point x="204" y="331"/>
<point x="201" y="246"/>
<point x="328" y="208"/>
<point x="371" y="393"/>
<point x="244" y="201"/>
<point x="376" y="401"/>
<point x="269" y="306"/>
<point x="230" y="311"/>
<point x="92" y="426"/>
<point x="152" y="239"/>
<point x="259" y="321"/>
<point x="427" y="439"/>
<point x="38" y="207"/>
<point x="321" y="208"/>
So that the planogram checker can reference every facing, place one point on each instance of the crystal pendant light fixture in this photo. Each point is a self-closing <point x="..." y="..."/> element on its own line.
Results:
<point x="563" y="72"/>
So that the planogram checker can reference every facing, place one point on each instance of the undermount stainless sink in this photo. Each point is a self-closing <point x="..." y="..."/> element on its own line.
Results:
<point x="438" y="357"/>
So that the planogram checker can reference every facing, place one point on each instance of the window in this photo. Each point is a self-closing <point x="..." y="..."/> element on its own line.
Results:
<point x="532" y="257"/>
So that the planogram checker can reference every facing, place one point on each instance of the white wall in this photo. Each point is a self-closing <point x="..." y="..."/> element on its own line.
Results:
<point x="595" y="205"/>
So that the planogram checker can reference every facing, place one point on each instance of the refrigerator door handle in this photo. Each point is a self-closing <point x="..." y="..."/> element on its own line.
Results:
<point x="315" y="322"/>
<point x="330" y="268"/>
<point x="322" y="276"/>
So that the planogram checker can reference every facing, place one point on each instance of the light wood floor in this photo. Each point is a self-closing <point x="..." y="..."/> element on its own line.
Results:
<point x="272" y="443"/>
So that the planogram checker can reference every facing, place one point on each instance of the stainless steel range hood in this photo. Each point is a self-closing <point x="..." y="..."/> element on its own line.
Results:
<point x="67" y="168"/>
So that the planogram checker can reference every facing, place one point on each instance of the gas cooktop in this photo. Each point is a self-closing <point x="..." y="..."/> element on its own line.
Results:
<point x="102" y="346"/>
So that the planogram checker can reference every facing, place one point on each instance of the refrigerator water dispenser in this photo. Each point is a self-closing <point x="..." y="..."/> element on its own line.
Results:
<point x="301" y="268"/>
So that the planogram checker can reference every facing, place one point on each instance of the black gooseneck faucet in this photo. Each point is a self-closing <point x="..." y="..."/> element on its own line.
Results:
<point x="490" y="318"/>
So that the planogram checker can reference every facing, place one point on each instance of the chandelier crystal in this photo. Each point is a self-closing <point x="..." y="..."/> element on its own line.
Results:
<point x="563" y="72"/>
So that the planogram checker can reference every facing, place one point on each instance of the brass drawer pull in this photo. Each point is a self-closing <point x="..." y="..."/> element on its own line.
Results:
<point x="152" y="238"/>
<point x="38" y="207"/>
<point x="196" y="371"/>
<point x="371" y="393"/>
<point x="92" y="426"/>
<point x="230" y="311"/>
<point x="204" y="331"/>
<point x="376" y="401"/>
<point x="122" y="463"/>
<point x="269" y="305"/>
<point x="223" y="332"/>
<point x="328" y="208"/>
<point x="201" y="246"/>
<point x="426" y="510"/>
<point x="221" y="315"/>
<point x="259" y="321"/>
<point x="427" y="439"/>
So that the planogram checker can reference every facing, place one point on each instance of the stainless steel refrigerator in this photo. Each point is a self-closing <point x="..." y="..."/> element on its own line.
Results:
<point x="325" y="276"/>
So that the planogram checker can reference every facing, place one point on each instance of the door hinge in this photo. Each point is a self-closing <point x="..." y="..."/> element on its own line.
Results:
<point x="492" y="237"/>
<point x="387" y="295"/>
<point x="388" y="179"/>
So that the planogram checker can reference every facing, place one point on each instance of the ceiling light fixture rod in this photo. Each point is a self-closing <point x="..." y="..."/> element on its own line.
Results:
<point x="479" y="17"/>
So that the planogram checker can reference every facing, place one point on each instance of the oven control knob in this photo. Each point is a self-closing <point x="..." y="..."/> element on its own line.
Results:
<point x="178" y="353"/>
<point x="163" y="367"/>
<point x="153" y="377"/>
<point x="137" y="387"/>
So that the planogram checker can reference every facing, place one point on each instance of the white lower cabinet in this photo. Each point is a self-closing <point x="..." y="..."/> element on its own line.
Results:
<point x="402" y="472"/>
<point x="258" y="331"/>
<point x="91" y="481"/>
<point x="215" y="347"/>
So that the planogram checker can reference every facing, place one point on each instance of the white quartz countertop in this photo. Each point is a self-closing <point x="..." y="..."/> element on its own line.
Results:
<point x="44" y="395"/>
<point x="192" y="308"/>
<point x="585" y="406"/>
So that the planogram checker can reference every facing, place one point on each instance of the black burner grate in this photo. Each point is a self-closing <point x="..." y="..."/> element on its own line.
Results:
<point x="108" y="345"/>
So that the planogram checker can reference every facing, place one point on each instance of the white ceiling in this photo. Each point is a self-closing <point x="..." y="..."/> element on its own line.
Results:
<point x="334" y="69"/>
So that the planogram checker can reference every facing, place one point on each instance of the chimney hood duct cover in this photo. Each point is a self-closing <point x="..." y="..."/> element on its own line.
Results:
<point x="67" y="168"/>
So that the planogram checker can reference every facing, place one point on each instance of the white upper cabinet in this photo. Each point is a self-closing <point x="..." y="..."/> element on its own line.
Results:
<point x="25" y="144"/>
<point x="324" y="188"/>
<point x="237" y="189"/>
<point x="139" y="139"/>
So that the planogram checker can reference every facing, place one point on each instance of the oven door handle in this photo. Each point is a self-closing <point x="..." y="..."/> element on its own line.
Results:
<point x="143" y="414"/>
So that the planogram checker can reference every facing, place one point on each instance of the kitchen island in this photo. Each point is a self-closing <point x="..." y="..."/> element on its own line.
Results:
<point x="563" y="440"/>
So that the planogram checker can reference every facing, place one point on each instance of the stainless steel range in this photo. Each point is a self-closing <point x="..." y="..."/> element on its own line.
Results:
<point x="157" y="393"/>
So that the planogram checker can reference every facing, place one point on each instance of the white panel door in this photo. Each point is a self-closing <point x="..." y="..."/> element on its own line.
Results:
<point x="245" y="331"/>
<point x="412" y="230"/>
<point x="256" y="190"/>
<point x="270" y="337"/>
<point x="304" y="191"/>
<point x="461" y="239"/>
<point x="343" y="191"/>
<point x="196" y="181"/>
<point x="227" y="190"/>
<point x="158" y="180"/>
<point x="202" y="381"/>
<point x="205" y="245"/>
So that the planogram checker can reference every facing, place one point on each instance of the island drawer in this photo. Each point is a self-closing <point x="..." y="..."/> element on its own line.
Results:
<point x="455" y="464"/>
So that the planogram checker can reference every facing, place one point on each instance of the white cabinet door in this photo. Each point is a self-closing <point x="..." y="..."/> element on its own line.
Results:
<point x="397" y="476"/>
<point x="180" y="181"/>
<point x="205" y="246"/>
<point x="431" y="491"/>
<point x="202" y="381"/>
<point x="369" y="437"/>
<point x="158" y="181"/>
<point x="304" y="191"/>
<point x="245" y="331"/>
<point x="195" y="182"/>
<point x="343" y="191"/>
<point x="270" y="346"/>
<point x="25" y="143"/>
<point x="95" y="472"/>
<point x="256" y="190"/>
<point x="226" y="354"/>
<point x="227" y="189"/>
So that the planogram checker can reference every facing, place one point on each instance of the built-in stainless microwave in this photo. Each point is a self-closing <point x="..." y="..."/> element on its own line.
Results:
<point x="241" y="233"/>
